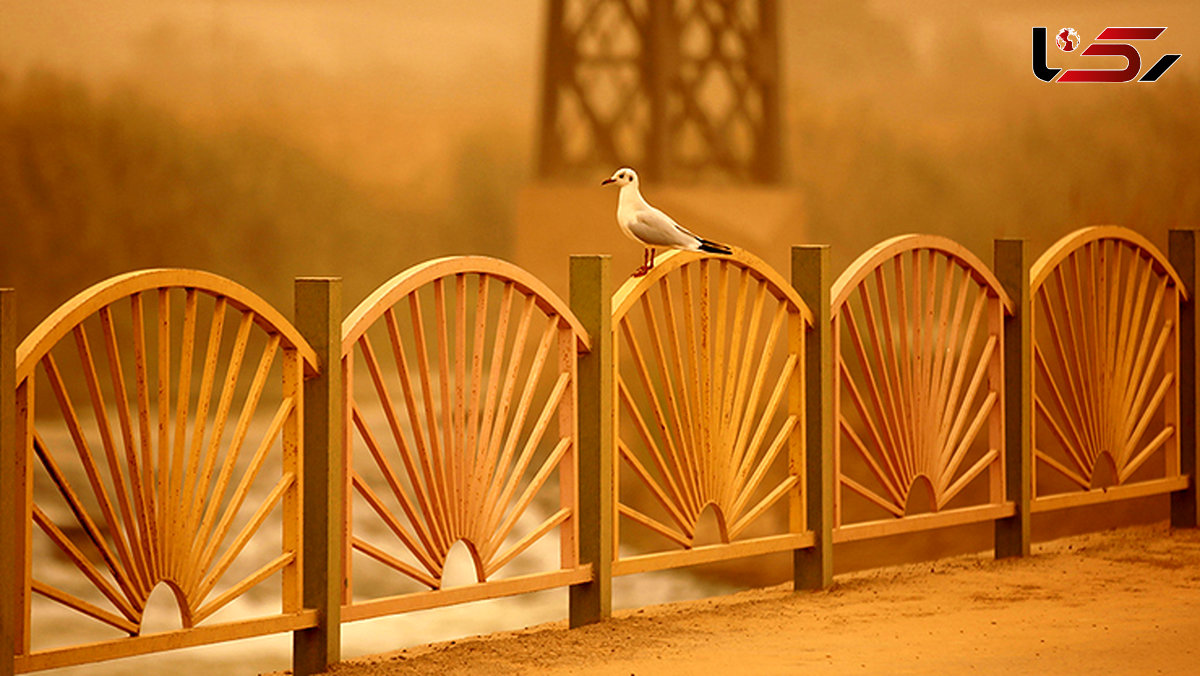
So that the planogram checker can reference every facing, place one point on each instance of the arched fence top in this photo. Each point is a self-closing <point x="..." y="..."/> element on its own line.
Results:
<point x="1069" y="244"/>
<point x="888" y="249"/>
<point x="89" y="301"/>
<point x="634" y="288"/>
<point x="392" y="291"/>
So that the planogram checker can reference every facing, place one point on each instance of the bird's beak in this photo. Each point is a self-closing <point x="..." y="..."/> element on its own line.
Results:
<point x="607" y="181"/>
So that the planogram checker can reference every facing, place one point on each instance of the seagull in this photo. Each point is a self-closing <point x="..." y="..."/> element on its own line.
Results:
<point x="650" y="227"/>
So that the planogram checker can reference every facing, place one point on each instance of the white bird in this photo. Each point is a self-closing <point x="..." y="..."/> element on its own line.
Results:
<point x="650" y="227"/>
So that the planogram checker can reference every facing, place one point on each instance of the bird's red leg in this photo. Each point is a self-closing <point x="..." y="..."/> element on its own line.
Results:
<point x="647" y="263"/>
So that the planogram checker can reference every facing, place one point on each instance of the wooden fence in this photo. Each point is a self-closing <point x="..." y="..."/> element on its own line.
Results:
<point x="168" y="418"/>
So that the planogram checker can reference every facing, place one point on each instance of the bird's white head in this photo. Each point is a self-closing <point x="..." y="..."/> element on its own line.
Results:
<point x="622" y="177"/>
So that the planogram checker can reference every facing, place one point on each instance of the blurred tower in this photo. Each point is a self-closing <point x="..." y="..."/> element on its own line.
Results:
<point x="682" y="90"/>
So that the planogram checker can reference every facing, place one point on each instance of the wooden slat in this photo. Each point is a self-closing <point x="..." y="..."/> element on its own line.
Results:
<point x="963" y="481"/>
<point x="527" y="496"/>
<point x="871" y="495"/>
<point x="667" y="503"/>
<point x="1047" y="503"/>
<point x="233" y="371"/>
<point x="506" y="474"/>
<point x="217" y="571"/>
<point x="244" y="585"/>
<point x="75" y="603"/>
<point x="740" y="447"/>
<point x="655" y="525"/>
<point x="920" y="522"/>
<point x="418" y="549"/>
<point x="395" y="564"/>
<point x="428" y="447"/>
<point x="208" y="539"/>
<point x="1143" y="455"/>
<point x="765" y="418"/>
<point x="419" y="477"/>
<point x="763" y="505"/>
<point x="1062" y="469"/>
<point x="711" y="553"/>
<point x="119" y="564"/>
<point x="139" y="572"/>
<point x="746" y="488"/>
<point x="675" y="465"/>
<point x="427" y="551"/>
<point x="472" y="592"/>
<point x="525" y="542"/>
<point x="438" y="445"/>
<point x="497" y="503"/>
<point x="168" y="640"/>
<point x="84" y="564"/>
<point x="891" y="478"/>
<point x="886" y="405"/>
<point x="197" y="480"/>
<point x="175" y="477"/>
<point x="671" y="379"/>
<point x="200" y="537"/>
<point x="142" y="381"/>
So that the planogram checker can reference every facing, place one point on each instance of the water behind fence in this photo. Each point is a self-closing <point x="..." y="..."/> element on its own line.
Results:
<point x="169" y="430"/>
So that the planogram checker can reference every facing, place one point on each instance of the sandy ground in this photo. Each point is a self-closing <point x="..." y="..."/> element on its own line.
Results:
<point x="1124" y="601"/>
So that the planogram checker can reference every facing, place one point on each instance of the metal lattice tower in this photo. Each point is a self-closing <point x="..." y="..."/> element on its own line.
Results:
<point x="680" y="89"/>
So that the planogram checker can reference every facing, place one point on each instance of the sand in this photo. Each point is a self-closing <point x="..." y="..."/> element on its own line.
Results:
<point x="1123" y="601"/>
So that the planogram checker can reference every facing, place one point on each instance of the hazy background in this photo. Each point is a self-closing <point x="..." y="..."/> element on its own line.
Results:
<point x="265" y="139"/>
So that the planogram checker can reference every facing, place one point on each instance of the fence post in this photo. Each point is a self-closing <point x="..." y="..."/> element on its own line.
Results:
<point x="591" y="302"/>
<point x="11" y="508"/>
<point x="1012" y="270"/>
<point x="318" y="317"/>
<point x="1181" y="250"/>
<point x="813" y="567"/>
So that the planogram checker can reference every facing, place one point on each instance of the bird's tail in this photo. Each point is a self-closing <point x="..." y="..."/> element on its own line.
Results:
<point x="710" y="246"/>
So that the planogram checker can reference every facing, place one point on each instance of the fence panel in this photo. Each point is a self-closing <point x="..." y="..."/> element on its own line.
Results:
<point x="918" y="389"/>
<point x="1106" y="363"/>
<point x="142" y="409"/>
<point x="709" y="360"/>
<point x="455" y="372"/>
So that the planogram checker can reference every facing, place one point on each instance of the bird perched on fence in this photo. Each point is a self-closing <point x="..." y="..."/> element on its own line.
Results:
<point x="650" y="227"/>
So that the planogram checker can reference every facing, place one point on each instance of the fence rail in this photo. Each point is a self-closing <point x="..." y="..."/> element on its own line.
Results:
<point x="464" y="402"/>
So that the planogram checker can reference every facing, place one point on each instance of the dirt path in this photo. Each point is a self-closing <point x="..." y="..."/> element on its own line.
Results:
<point x="1124" y="601"/>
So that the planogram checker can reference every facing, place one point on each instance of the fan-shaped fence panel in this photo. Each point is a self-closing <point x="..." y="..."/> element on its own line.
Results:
<point x="159" y="413"/>
<point x="918" y="389"/>
<point x="709" y="359"/>
<point x="1105" y="369"/>
<point x="460" y="381"/>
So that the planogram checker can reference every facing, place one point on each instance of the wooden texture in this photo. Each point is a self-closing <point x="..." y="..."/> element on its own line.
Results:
<point x="147" y="470"/>
<point x="812" y="276"/>
<point x="1096" y="496"/>
<point x="318" y="303"/>
<point x="463" y="412"/>
<point x="709" y="360"/>
<point x="13" y="480"/>
<point x="918" y="391"/>
<point x="167" y="640"/>
<point x="1013" y="535"/>
<point x="644" y="563"/>
<point x="591" y="282"/>
<point x="920" y="522"/>
<point x="1106" y="388"/>
<point x="491" y="589"/>
<point x="1181" y="249"/>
